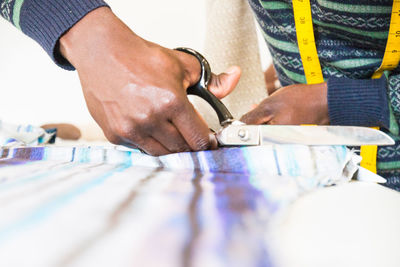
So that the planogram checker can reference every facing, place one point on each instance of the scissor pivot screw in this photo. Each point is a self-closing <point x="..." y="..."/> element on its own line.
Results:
<point x="243" y="134"/>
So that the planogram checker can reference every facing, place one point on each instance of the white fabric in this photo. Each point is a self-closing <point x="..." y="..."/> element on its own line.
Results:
<point x="232" y="40"/>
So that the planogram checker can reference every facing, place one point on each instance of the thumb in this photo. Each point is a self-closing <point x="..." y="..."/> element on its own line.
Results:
<point x="259" y="115"/>
<point x="223" y="84"/>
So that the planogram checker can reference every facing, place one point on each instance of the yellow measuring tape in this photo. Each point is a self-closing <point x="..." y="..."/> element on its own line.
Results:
<point x="392" y="52"/>
<point x="312" y="66"/>
<point x="306" y="41"/>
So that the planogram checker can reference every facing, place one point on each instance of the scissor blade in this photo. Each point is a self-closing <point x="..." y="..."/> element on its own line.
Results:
<point x="242" y="135"/>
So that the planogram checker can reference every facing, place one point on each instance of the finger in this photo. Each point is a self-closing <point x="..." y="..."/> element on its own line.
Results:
<point x="213" y="138"/>
<point x="223" y="84"/>
<point x="150" y="146"/>
<point x="170" y="138"/>
<point x="144" y="143"/>
<point x="193" y="129"/>
<point x="259" y="115"/>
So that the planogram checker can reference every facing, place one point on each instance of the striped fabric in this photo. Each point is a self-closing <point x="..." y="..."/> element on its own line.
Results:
<point x="351" y="38"/>
<point x="324" y="164"/>
<point x="12" y="135"/>
<point x="63" y="206"/>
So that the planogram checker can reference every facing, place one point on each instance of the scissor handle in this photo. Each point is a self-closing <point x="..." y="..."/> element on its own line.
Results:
<point x="200" y="88"/>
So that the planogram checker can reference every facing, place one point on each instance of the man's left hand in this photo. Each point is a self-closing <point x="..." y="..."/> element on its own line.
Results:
<point x="292" y="105"/>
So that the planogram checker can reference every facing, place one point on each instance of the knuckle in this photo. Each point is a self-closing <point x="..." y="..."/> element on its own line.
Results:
<point x="247" y="118"/>
<point x="265" y="106"/>
<point x="123" y="131"/>
<point x="168" y="101"/>
<point x="171" y="103"/>
<point x="113" y="139"/>
<point x="143" y="119"/>
<point x="126" y="132"/>
<point x="266" y="109"/>
<point x="244" y="117"/>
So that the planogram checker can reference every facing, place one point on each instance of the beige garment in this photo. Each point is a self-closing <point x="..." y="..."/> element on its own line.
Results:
<point x="232" y="40"/>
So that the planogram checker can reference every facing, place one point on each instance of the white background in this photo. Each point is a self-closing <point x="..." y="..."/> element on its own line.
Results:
<point x="34" y="90"/>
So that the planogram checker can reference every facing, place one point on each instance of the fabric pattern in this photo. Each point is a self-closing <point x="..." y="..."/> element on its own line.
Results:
<point x="12" y="135"/>
<point x="393" y="178"/>
<point x="326" y="164"/>
<point x="350" y="38"/>
<point x="65" y="206"/>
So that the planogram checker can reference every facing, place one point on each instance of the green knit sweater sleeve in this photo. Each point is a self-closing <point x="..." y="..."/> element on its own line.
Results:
<point x="389" y="156"/>
<point x="394" y="101"/>
<point x="10" y="9"/>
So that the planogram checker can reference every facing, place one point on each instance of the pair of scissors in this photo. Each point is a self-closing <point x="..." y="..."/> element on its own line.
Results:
<point x="236" y="133"/>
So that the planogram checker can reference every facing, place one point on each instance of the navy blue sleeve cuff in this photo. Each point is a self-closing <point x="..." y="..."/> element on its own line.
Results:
<point x="46" y="21"/>
<point x="358" y="102"/>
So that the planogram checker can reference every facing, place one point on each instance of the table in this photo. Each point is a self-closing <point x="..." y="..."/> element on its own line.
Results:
<point x="356" y="224"/>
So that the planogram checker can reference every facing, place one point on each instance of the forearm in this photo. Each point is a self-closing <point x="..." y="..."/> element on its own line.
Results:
<point x="358" y="102"/>
<point x="46" y="21"/>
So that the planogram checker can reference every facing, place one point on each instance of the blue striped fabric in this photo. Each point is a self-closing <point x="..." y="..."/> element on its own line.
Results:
<point x="65" y="206"/>
<point x="287" y="160"/>
<point x="12" y="135"/>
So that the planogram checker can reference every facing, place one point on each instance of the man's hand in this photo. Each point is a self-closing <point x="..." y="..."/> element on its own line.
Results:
<point x="136" y="90"/>
<point x="292" y="105"/>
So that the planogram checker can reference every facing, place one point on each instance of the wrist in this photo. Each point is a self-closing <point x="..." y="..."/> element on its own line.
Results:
<point x="324" y="104"/>
<point x="319" y="99"/>
<point x="358" y="102"/>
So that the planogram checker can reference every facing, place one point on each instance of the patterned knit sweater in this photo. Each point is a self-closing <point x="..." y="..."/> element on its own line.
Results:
<point x="350" y="36"/>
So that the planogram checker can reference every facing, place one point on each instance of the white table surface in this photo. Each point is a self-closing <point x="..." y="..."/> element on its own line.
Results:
<point x="356" y="224"/>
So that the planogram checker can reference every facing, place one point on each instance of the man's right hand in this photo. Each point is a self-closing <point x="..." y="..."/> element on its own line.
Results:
<point x="136" y="90"/>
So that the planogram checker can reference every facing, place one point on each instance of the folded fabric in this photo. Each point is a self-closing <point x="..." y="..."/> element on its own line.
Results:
<point x="12" y="135"/>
